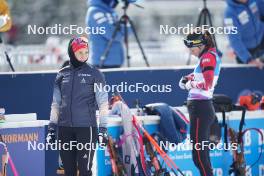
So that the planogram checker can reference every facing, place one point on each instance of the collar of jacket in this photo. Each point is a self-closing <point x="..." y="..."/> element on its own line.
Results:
<point x="78" y="68"/>
<point x="100" y="4"/>
<point x="237" y="4"/>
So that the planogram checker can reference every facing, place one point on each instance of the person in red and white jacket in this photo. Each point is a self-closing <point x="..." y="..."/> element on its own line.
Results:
<point x="201" y="84"/>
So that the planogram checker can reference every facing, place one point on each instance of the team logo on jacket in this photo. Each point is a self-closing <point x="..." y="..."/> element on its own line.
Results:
<point x="243" y="17"/>
<point x="83" y="74"/>
<point x="85" y="156"/>
<point x="83" y="81"/>
<point x="206" y="60"/>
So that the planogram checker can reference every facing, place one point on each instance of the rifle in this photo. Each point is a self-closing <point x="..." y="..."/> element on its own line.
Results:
<point x="138" y="162"/>
<point x="7" y="158"/>
<point x="169" y="162"/>
<point x="118" y="167"/>
<point x="238" y="167"/>
<point x="4" y="163"/>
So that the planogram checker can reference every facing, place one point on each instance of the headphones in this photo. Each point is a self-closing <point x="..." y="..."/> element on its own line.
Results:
<point x="256" y="98"/>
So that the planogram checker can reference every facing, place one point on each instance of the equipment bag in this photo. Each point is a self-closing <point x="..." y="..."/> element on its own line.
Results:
<point x="173" y="124"/>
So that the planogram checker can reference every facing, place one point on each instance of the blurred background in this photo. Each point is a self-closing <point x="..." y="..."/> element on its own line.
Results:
<point x="34" y="52"/>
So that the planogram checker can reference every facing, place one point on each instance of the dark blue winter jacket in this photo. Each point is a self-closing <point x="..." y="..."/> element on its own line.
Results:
<point x="104" y="17"/>
<point x="75" y="97"/>
<point x="173" y="124"/>
<point x="247" y="19"/>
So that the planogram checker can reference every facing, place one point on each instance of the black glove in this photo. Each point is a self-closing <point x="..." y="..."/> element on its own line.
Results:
<point x="51" y="136"/>
<point x="182" y="82"/>
<point x="102" y="136"/>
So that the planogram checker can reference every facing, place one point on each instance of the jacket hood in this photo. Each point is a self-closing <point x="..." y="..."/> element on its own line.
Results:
<point x="236" y="4"/>
<point x="73" y="60"/>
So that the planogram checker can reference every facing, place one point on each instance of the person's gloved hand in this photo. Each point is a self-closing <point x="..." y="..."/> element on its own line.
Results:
<point x="182" y="82"/>
<point x="188" y="85"/>
<point x="257" y="62"/>
<point x="51" y="136"/>
<point x="102" y="136"/>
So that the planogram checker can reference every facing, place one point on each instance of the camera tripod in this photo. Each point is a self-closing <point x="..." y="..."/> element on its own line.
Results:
<point x="125" y="20"/>
<point x="204" y="18"/>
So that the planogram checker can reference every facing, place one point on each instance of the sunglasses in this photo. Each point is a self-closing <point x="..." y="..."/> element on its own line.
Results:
<point x="193" y="43"/>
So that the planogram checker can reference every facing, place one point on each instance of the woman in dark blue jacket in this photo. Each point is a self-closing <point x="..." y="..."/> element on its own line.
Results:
<point x="73" y="111"/>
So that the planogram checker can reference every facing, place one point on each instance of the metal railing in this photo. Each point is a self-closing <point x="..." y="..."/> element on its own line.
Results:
<point x="159" y="53"/>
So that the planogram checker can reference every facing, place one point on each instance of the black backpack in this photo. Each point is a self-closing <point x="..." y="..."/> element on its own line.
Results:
<point x="222" y="103"/>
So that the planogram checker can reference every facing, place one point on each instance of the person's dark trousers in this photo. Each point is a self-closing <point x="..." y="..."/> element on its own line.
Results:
<point x="80" y="156"/>
<point x="202" y="116"/>
<point x="257" y="52"/>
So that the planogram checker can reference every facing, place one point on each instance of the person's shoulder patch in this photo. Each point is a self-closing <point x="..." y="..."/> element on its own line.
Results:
<point x="98" y="15"/>
<point x="243" y="17"/>
<point x="206" y="60"/>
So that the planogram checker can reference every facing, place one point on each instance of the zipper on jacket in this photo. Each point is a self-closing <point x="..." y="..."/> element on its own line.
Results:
<point x="71" y="94"/>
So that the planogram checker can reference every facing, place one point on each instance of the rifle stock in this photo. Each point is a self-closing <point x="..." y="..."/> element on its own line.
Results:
<point x="238" y="166"/>
<point x="118" y="167"/>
